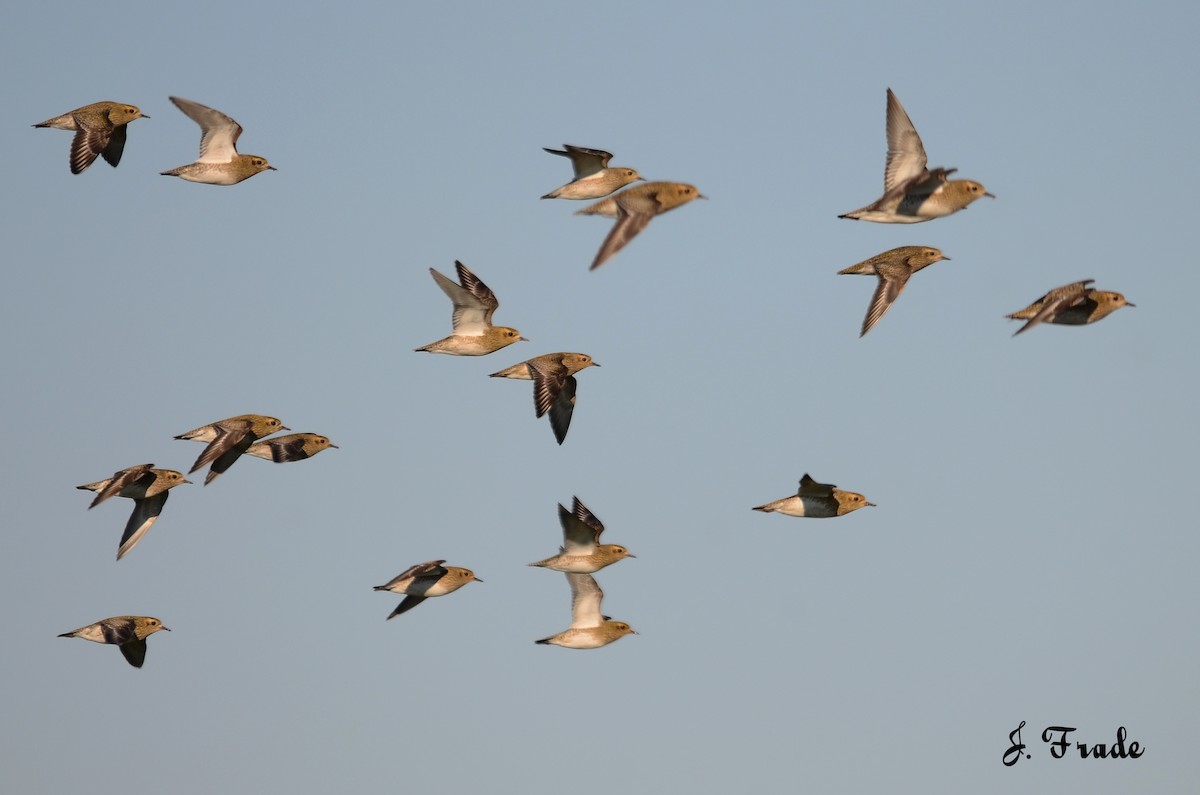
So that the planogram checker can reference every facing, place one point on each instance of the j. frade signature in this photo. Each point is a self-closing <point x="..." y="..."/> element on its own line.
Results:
<point x="1056" y="737"/>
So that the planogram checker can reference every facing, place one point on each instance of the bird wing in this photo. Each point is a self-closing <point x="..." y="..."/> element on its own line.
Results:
<point x="145" y="512"/>
<point x="431" y="568"/>
<point x="218" y="132"/>
<point x="629" y="224"/>
<point x="811" y="488"/>
<point x="563" y="408"/>
<point x="469" y="316"/>
<point x="118" y="630"/>
<point x="135" y="652"/>
<point x="228" y="435"/>
<point x="116" y="145"/>
<point x="406" y="604"/>
<point x="287" y="448"/>
<point x="483" y="296"/>
<point x="1057" y="300"/>
<point x="585" y="601"/>
<point x="578" y="537"/>
<point x="892" y="279"/>
<point x="120" y="480"/>
<point x="584" y="161"/>
<point x="906" y="154"/>
<point x="87" y="145"/>
<point x="584" y="514"/>
<point x="549" y="379"/>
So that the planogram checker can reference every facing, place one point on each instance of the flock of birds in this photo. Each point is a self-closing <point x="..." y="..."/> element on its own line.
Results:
<point x="913" y="193"/>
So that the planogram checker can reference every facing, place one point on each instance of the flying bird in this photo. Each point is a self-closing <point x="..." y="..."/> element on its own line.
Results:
<point x="581" y="551"/>
<point x="147" y="487"/>
<point x="474" y="304"/>
<point x="127" y="633"/>
<point x="593" y="176"/>
<point x="893" y="268"/>
<point x="589" y="628"/>
<point x="99" y="131"/>
<point x="913" y="193"/>
<point x="636" y="207"/>
<point x="219" y="162"/>
<point x="553" y="376"/>
<point x="424" y="581"/>
<point x="1073" y="304"/>
<point x="227" y="439"/>
<point x="817" y="501"/>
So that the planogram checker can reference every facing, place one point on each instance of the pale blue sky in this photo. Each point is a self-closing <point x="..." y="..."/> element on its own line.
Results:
<point x="1033" y="553"/>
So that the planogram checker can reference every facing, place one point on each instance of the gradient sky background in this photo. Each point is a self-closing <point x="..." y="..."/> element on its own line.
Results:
<point x="1033" y="553"/>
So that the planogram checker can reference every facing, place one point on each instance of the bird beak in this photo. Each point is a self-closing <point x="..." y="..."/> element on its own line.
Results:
<point x="168" y="629"/>
<point x="1129" y="304"/>
<point x="871" y="505"/>
<point x="945" y="258"/>
<point x="630" y="555"/>
<point x="334" y="446"/>
<point x="595" y="364"/>
<point x="985" y="193"/>
<point x="144" y="116"/>
<point x="284" y="428"/>
<point x="522" y="339"/>
<point x="478" y="580"/>
<point x="701" y="196"/>
<point x="187" y="481"/>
